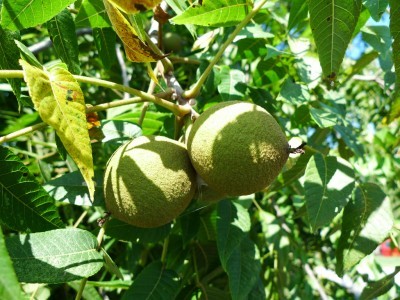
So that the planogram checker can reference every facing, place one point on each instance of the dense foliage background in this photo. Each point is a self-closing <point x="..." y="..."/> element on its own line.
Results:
<point x="325" y="69"/>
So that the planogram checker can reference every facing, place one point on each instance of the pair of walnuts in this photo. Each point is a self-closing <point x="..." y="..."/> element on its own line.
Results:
<point x="234" y="148"/>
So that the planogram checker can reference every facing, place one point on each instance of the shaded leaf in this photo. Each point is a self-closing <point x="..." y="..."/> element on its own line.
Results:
<point x="71" y="188"/>
<point x="376" y="8"/>
<point x="349" y="137"/>
<point x="232" y="85"/>
<point x="214" y="13"/>
<point x="9" y="285"/>
<point x="92" y="14"/>
<point x="329" y="181"/>
<point x="27" y="55"/>
<point x="28" y="13"/>
<point x="395" y="32"/>
<point x="89" y="293"/>
<point x="294" y="93"/>
<point x="332" y="24"/>
<point x="154" y="283"/>
<point x="119" y="131"/>
<point x="367" y="221"/>
<point x="55" y="256"/>
<point x="24" y="204"/>
<point x="238" y="254"/>
<point x="105" y="39"/>
<point x="9" y="55"/>
<point x="135" y="6"/>
<point x="323" y="118"/>
<point x="298" y="14"/>
<point x="61" y="30"/>
<point x="377" y="288"/>
<point x="60" y="103"/>
<point x="111" y="265"/>
<point x="135" y="49"/>
<point x="152" y="124"/>
<point x="126" y="232"/>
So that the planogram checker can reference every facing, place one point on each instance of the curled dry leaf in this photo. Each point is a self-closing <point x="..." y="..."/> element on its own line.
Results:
<point x="135" y="49"/>
<point x="134" y="6"/>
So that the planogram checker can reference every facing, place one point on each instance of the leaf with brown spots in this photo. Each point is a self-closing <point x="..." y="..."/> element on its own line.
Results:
<point x="60" y="103"/>
<point x="135" y="6"/>
<point x="135" y="49"/>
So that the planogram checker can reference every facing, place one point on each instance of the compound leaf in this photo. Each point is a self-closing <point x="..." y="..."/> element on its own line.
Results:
<point x="376" y="8"/>
<point x="329" y="181"/>
<point x="332" y="24"/>
<point x="21" y="14"/>
<point x="60" y="103"/>
<point x="55" y="256"/>
<point x="214" y="13"/>
<point x="24" y="204"/>
<point x="367" y="221"/>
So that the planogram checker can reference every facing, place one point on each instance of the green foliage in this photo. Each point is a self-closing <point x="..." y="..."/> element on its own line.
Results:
<point x="328" y="72"/>
<point x="54" y="256"/>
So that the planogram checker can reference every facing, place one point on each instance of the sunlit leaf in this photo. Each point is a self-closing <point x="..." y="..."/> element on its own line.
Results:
<point x="367" y="221"/>
<point x="28" y="13"/>
<point x="323" y="118"/>
<point x="92" y="14"/>
<point x="135" y="49"/>
<point x="329" y="182"/>
<point x="154" y="283"/>
<point x="55" y="256"/>
<point x="214" y="13"/>
<point x="60" y="103"/>
<point x="24" y="205"/>
<point x="62" y="32"/>
<point x="134" y="6"/>
<point x="9" y="285"/>
<point x="332" y="24"/>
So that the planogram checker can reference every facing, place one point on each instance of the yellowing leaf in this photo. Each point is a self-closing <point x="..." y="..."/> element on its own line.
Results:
<point x="134" y="6"/>
<point x="60" y="103"/>
<point x="135" y="49"/>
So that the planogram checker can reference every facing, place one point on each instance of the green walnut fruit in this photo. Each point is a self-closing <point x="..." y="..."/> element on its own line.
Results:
<point x="237" y="148"/>
<point x="172" y="42"/>
<point x="149" y="181"/>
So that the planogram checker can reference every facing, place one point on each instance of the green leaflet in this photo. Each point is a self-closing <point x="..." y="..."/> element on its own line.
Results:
<point x="24" y="204"/>
<point x="332" y="24"/>
<point x="92" y="14"/>
<point x="329" y="181"/>
<point x="9" y="285"/>
<point x="367" y="221"/>
<point x="28" y="13"/>
<point x="9" y="55"/>
<point x="154" y="282"/>
<point x="214" y="13"/>
<point x="55" y="256"/>
<point x="60" y="103"/>
<point x="62" y="32"/>
<point x="395" y="32"/>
